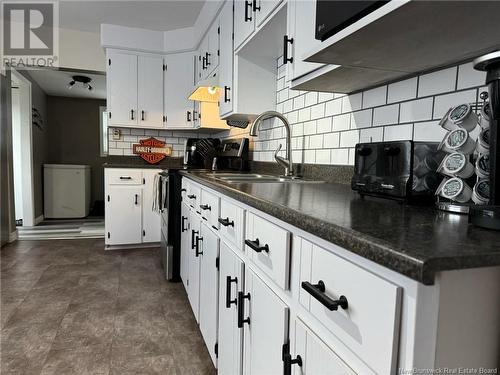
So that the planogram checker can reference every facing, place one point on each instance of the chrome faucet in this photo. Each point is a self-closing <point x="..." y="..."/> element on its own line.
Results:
<point x="285" y="162"/>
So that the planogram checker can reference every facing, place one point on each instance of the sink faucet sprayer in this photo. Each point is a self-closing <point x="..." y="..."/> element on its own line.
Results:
<point x="286" y="162"/>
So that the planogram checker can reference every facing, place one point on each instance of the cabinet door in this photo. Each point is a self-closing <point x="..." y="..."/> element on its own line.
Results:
<point x="213" y="47"/>
<point x="123" y="215"/>
<point x="301" y="26"/>
<point x="194" y="267"/>
<point x="151" y="220"/>
<point x="317" y="358"/>
<point x="267" y="329"/>
<point x="150" y="91"/>
<point x="230" y="336"/>
<point x="244" y="21"/>
<point x="204" y="51"/>
<point x="122" y="88"/>
<point x="265" y="8"/>
<point x="226" y="59"/>
<point x="209" y="288"/>
<point x="185" y="244"/>
<point x="178" y="86"/>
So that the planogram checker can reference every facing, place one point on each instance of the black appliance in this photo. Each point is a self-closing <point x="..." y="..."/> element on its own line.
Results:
<point x="333" y="16"/>
<point x="400" y="170"/>
<point x="230" y="155"/>
<point x="199" y="152"/>
<point x="488" y="216"/>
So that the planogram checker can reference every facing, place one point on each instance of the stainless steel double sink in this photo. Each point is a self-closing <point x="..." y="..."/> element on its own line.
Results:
<point x="257" y="178"/>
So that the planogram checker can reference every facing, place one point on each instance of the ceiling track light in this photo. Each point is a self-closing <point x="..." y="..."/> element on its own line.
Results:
<point x="84" y="80"/>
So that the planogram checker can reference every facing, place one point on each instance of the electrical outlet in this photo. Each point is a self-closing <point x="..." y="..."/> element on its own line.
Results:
<point x="117" y="134"/>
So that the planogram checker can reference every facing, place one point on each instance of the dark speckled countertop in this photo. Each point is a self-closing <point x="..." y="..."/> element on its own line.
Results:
<point x="414" y="241"/>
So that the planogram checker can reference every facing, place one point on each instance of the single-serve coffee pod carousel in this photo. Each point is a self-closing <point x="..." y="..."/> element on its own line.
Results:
<point x="460" y="165"/>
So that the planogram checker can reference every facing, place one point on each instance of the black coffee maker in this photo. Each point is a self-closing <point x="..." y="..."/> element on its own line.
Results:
<point x="488" y="216"/>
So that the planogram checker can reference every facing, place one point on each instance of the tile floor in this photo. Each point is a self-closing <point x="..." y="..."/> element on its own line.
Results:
<point x="68" y="307"/>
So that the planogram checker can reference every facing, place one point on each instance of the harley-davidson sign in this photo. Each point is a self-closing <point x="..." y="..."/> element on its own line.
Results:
<point x="152" y="150"/>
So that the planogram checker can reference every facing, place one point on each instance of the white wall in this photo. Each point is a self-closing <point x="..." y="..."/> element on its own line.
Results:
<point x="81" y="50"/>
<point x="16" y="153"/>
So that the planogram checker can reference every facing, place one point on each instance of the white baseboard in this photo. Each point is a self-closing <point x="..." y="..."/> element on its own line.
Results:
<point x="13" y="236"/>
<point x="38" y="219"/>
<point x="132" y="246"/>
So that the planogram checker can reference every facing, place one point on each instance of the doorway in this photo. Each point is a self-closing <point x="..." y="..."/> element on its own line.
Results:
<point x="22" y="150"/>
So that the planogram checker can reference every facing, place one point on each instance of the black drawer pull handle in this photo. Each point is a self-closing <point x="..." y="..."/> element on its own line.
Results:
<point x="255" y="7"/>
<point x="248" y="5"/>
<point x="226" y="222"/>
<point x="183" y="229"/>
<point x="241" y="309"/>
<point x="230" y="301"/>
<point x="255" y="246"/>
<point x="132" y="114"/>
<point x="205" y="207"/>
<point x="226" y="94"/>
<point x="192" y="196"/>
<point x="142" y="115"/>
<point x="193" y="233"/>
<point x="188" y="116"/>
<point x="125" y="178"/>
<point x="197" y="246"/>
<point x="183" y="190"/>
<point x="136" y="199"/>
<point x="318" y="292"/>
<point x="288" y="361"/>
<point x="286" y="40"/>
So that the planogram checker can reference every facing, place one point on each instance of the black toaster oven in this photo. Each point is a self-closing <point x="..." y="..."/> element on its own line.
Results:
<point x="401" y="170"/>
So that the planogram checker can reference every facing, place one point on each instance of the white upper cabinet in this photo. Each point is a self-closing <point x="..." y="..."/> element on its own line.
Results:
<point x="300" y="38"/>
<point x="226" y="59"/>
<point x="178" y="86"/>
<point x="263" y="9"/>
<point x="204" y="57"/>
<point x="122" y="88"/>
<point x="150" y="91"/>
<point x="213" y="47"/>
<point x="244" y="21"/>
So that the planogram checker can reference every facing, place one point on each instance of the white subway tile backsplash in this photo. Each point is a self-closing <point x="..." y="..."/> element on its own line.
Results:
<point x="311" y="98"/>
<point x="386" y="115"/>
<point x="341" y="122"/>
<point x="324" y="96"/>
<point x="443" y="102"/>
<point x="323" y="156"/>
<point x="297" y="129"/>
<point x="318" y="111"/>
<point x="416" y="110"/>
<point x="375" y="97"/>
<point x="287" y="106"/>
<point x="351" y="102"/>
<point x="316" y="141"/>
<point x="437" y="82"/>
<point x="324" y="125"/>
<point x="135" y="131"/>
<point x="299" y="102"/>
<point x="304" y="114"/>
<point x="398" y="132"/>
<point x="333" y="107"/>
<point x="310" y="156"/>
<point x="429" y="131"/>
<point x="352" y="156"/>
<point x="349" y="138"/>
<point x="340" y="156"/>
<point x="469" y="77"/>
<point x="310" y="127"/>
<point x="115" y="151"/>
<point x="331" y="140"/>
<point x="371" y="135"/>
<point x="402" y="90"/>
<point x="361" y="119"/>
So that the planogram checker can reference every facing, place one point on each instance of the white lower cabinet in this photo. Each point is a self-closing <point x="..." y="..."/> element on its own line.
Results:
<point x="264" y="317"/>
<point x="309" y="355"/>
<point x="230" y="336"/>
<point x="208" y="250"/>
<point x="193" y="256"/>
<point x="129" y="216"/>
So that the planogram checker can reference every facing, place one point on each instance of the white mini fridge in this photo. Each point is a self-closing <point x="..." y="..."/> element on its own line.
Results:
<point x="66" y="191"/>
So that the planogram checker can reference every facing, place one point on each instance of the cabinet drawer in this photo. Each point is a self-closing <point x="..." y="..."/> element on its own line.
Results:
<point x="369" y="324"/>
<point x="269" y="247"/>
<point x="317" y="358"/>
<point x="193" y="197"/>
<point x="121" y="176"/>
<point x="209" y="207"/>
<point x="232" y="223"/>
<point x="184" y="189"/>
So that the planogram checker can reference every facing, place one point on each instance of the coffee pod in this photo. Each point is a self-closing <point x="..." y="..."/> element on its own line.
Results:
<point x="485" y="116"/>
<point x="483" y="166"/>
<point x="456" y="165"/>
<point x="456" y="190"/>
<point x="445" y="122"/>
<point x="481" y="192"/>
<point x="458" y="140"/>
<point x="483" y="142"/>
<point x="461" y="116"/>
